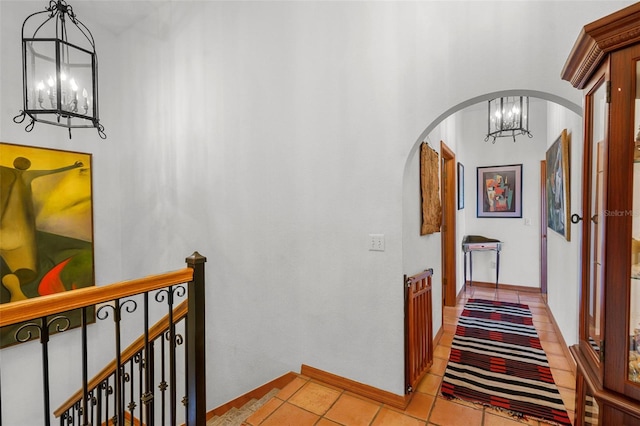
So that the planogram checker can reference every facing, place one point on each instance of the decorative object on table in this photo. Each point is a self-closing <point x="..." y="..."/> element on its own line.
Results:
<point x="46" y="231"/>
<point x="497" y="360"/>
<point x="558" y="186"/>
<point x="460" y="186"/>
<point x="499" y="191"/>
<point x="59" y="71"/>
<point x="508" y="117"/>
<point x="430" y="190"/>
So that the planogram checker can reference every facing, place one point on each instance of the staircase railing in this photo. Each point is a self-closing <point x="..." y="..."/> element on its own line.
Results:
<point x="168" y="358"/>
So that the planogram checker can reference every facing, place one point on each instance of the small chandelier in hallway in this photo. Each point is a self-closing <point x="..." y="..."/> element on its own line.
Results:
<point x="508" y="117"/>
<point x="59" y="70"/>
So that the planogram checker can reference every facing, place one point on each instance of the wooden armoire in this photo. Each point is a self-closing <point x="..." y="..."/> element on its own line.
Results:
<point x="605" y="65"/>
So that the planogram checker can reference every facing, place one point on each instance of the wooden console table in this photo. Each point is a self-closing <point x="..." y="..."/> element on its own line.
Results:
<point x="471" y="243"/>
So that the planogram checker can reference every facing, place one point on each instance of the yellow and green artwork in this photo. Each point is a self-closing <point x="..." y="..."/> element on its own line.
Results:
<point x="46" y="224"/>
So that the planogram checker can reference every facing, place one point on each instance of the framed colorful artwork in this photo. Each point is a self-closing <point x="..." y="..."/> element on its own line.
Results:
<point x="46" y="225"/>
<point x="557" y="179"/>
<point x="499" y="191"/>
<point x="460" y="186"/>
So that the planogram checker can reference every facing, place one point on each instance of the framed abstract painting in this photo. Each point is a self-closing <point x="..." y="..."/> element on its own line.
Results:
<point x="557" y="182"/>
<point x="499" y="191"/>
<point x="46" y="227"/>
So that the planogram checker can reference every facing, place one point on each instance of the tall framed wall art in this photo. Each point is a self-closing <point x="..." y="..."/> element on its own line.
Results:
<point x="46" y="225"/>
<point x="557" y="179"/>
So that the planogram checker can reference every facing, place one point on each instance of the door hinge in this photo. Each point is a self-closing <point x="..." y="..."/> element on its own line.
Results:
<point x="608" y="90"/>
<point x="601" y="351"/>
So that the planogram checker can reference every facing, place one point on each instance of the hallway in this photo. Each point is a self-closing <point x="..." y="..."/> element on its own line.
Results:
<point x="308" y="402"/>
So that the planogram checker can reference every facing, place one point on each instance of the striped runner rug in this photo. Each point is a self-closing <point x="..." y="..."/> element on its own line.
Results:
<point x="497" y="360"/>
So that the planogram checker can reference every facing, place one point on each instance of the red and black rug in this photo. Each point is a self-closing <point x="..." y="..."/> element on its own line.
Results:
<point x="497" y="360"/>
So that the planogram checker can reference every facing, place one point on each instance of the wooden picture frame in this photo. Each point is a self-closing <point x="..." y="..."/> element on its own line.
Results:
<point x="499" y="191"/>
<point x="46" y="240"/>
<point x="460" y="186"/>
<point x="558" y="186"/>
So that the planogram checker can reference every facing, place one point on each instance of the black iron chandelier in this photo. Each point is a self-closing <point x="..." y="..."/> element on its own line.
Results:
<point x="59" y="71"/>
<point x="508" y="117"/>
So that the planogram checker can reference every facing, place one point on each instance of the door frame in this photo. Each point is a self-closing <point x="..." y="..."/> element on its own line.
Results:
<point x="448" y="230"/>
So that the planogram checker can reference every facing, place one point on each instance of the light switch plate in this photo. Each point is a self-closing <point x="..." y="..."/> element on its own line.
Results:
<point x="376" y="242"/>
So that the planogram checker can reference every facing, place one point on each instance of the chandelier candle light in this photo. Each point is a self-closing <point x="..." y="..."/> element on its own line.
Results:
<point x="59" y="71"/>
<point x="508" y="117"/>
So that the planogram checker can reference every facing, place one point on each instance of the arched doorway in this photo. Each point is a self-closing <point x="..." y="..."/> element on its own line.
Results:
<point x="429" y="247"/>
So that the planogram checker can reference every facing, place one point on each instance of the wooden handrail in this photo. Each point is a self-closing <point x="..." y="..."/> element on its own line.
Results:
<point x="25" y="310"/>
<point x="156" y="330"/>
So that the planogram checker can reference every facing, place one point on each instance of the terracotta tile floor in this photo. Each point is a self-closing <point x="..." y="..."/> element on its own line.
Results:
<point x="308" y="402"/>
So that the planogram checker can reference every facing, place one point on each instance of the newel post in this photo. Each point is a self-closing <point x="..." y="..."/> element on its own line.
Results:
<point x="196" y="336"/>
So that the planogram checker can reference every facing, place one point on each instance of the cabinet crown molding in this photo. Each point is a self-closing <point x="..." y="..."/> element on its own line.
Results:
<point x="597" y="39"/>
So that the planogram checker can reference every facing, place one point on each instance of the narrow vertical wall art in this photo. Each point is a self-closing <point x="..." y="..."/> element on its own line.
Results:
<point x="430" y="190"/>
<point x="558" y="194"/>
<point x="460" y="186"/>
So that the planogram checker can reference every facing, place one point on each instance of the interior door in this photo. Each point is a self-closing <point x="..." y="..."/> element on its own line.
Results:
<point x="448" y="230"/>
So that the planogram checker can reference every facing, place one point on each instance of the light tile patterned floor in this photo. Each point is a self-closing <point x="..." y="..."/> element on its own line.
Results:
<point x="308" y="402"/>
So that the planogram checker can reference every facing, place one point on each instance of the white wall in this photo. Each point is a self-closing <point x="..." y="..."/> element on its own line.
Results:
<point x="273" y="138"/>
<point x="547" y="121"/>
<point x="109" y="211"/>
<point x="424" y="251"/>
<point x="519" y="257"/>
<point x="563" y="257"/>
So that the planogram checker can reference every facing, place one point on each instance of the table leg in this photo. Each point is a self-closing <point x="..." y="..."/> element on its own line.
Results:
<point x="465" y="270"/>
<point x="497" y="266"/>
<point x="471" y="268"/>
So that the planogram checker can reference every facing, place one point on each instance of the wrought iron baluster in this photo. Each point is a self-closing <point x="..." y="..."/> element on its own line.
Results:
<point x="85" y="375"/>
<point x="146" y="397"/>
<point x="78" y="410"/>
<point x="102" y="313"/>
<point x="118" y="407"/>
<point x="99" y="390"/>
<point x="108" y="390"/>
<point x="139" y="360"/>
<point x="64" y="419"/>
<point x="178" y="341"/>
<point x="132" y="404"/>
<point x="163" y="381"/>
<point x="92" y="404"/>
<point x="150" y="376"/>
<point x="125" y="379"/>
<point x="185" y="398"/>
<point x="169" y="293"/>
<point x="61" y="323"/>
<point x="172" y="360"/>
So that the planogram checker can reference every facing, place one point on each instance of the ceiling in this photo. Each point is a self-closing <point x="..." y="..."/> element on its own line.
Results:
<point x="115" y="16"/>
